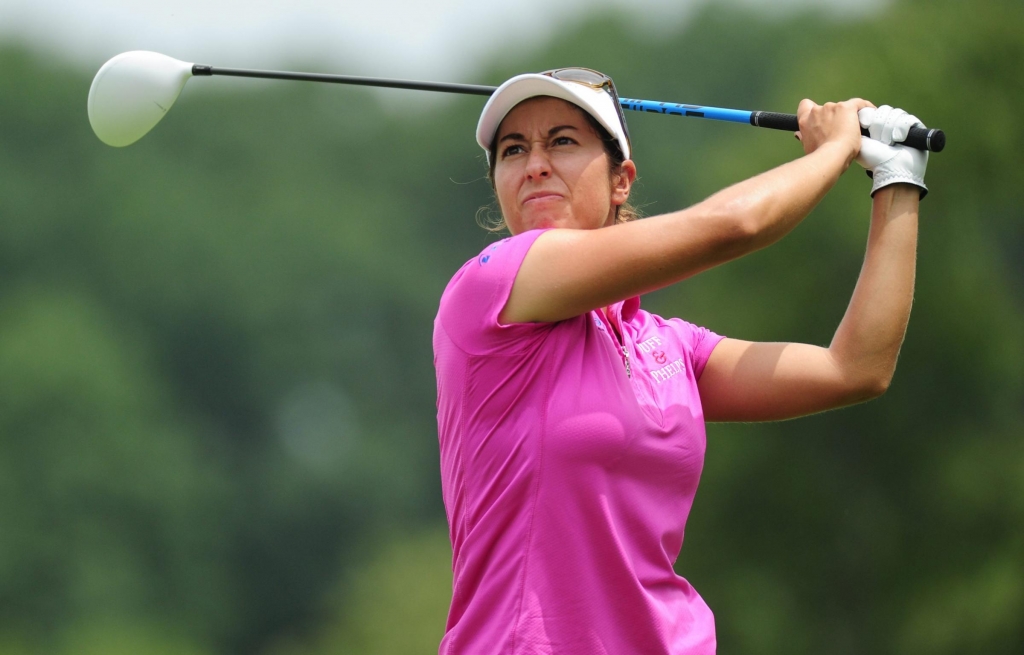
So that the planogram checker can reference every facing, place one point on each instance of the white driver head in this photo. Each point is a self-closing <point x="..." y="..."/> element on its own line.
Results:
<point x="132" y="92"/>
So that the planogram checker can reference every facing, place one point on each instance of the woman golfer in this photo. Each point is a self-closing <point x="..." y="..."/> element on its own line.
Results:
<point x="571" y="421"/>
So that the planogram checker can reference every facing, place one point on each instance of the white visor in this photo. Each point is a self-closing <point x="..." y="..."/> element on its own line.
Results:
<point x="596" y="102"/>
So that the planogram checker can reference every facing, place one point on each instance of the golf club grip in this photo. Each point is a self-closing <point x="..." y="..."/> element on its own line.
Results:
<point x="921" y="138"/>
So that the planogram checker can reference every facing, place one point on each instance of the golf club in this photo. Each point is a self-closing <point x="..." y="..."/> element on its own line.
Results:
<point x="134" y="90"/>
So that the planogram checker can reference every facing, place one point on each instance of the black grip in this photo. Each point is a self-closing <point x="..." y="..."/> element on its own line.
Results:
<point x="774" y="121"/>
<point x="922" y="138"/>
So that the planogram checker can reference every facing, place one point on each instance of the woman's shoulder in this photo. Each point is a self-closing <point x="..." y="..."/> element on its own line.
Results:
<point x="493" y="265"/>
<point x="475" y="295"/>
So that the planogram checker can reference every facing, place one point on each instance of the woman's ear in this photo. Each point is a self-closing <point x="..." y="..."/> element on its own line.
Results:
<point x="622" y="182"/>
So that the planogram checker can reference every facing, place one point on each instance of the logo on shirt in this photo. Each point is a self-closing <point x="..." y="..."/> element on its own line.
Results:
<point x="486" y="257"/>
<point x="648" y="345"/>
<point x="670" y="370"/>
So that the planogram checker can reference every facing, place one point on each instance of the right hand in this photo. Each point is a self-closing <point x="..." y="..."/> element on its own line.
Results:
<point x="833" y="122"/>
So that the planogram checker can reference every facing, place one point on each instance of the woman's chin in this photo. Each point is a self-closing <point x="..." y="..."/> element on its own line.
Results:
<point x="543" y="218"/>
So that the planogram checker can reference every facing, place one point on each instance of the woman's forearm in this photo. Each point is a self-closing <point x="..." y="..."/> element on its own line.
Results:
<point x="771" y="204"/>
<point x="867" y="342"/>
<point x="739" y="219"/>
<point x="569" y="272"/>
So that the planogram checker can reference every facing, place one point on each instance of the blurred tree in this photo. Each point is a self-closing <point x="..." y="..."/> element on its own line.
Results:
<point x="396" y="604"/>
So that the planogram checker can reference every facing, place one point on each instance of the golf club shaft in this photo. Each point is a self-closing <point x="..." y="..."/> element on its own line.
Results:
<point x="444" y="87"/>
<point x="920" y="138"/>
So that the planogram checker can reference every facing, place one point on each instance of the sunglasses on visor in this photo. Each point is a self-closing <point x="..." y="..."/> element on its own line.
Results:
<point x="595" y="80"/>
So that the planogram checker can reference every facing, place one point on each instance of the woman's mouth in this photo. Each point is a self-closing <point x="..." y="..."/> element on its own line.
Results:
<point x="541" y="197"/>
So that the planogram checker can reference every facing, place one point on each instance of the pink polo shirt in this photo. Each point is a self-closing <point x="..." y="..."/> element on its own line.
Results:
<point x="567" y="482"/>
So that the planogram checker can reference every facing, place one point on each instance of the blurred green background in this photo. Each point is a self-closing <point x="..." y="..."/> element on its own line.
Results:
<point x="217" y="428"/>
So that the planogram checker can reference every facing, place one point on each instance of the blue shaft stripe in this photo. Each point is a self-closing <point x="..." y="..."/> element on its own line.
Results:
<point x="713" y="113"/>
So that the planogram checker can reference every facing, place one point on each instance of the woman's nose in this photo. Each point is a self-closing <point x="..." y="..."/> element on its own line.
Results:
<point x="538" y="165"/>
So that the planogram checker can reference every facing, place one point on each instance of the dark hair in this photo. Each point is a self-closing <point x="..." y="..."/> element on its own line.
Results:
<point x="623" y="213"/>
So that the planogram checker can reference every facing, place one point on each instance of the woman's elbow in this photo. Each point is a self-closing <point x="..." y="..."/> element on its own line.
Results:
<point x="739" y="228"/>
<point x="861" y="376"/>
<point x="753" y="225"/>
<point x="878" y="386"/>
<point x="871" y="385"/>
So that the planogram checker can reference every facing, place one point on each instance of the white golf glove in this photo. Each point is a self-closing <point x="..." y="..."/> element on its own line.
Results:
<point x="886" y="161"/>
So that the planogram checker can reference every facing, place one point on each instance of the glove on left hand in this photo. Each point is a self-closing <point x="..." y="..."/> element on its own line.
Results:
<point x="886" y="161"/>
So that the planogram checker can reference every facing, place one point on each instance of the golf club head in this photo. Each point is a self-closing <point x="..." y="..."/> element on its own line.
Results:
<point x="132" y="92"/>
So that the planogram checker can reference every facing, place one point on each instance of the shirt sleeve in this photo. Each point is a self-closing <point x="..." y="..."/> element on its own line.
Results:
<point x="698" y="342"/>
<point x="478" y="292"/>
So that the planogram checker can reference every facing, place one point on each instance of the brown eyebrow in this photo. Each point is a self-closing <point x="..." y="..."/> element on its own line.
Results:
<point x="516" y="136"/>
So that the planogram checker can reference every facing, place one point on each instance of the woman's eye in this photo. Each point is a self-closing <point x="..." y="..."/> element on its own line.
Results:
<point x="511" y="150"/>
<point x="562" y="140"/>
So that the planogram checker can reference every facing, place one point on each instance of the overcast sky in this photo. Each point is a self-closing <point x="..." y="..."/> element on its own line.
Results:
<point x="442" y="39"/>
